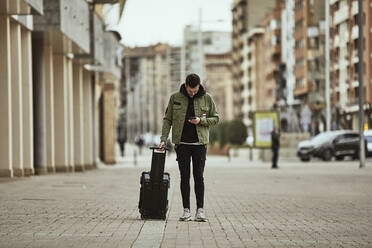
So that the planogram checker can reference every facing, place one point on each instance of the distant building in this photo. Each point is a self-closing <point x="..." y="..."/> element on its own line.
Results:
<point x="148" y="82"/>
<point x="213" y="42"/>
<point x="219" y="83"/>
<point x="345" y="61"/>
<point x="175" y="68"/>
<point x="247" y="14"/>
<point x="301" y="75"/>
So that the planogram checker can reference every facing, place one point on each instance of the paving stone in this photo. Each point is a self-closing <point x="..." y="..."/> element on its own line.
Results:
<point x="247" y="205"/>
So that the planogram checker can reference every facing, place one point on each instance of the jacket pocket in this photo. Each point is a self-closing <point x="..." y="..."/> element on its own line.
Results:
<point x="205" y="110"/>
<point x="176" y="106"/>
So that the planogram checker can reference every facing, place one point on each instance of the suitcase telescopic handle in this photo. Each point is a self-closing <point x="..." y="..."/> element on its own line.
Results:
<point x="157" y="148"/>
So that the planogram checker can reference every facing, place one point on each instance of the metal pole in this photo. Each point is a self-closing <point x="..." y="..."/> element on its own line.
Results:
<point x="200" y="47"/>
<point x="361" y="85"/>
<point x="327" y="70"/>
<point x="93" y="85"/>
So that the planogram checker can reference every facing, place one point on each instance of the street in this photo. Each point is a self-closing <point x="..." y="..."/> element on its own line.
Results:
<point x="247" y="204"/>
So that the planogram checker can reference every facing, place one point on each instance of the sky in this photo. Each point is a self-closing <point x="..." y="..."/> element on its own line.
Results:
<point x="147" y="22"/>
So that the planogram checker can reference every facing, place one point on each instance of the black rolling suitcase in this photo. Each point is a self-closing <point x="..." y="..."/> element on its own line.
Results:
<point x="153" y="202"/>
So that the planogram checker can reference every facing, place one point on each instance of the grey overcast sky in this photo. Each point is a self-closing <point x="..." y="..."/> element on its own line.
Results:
<point x="147" y="22"/>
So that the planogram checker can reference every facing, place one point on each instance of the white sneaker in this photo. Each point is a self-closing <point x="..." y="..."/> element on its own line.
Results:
<point x="186" y="215"/>
<point x="200" y="216"/>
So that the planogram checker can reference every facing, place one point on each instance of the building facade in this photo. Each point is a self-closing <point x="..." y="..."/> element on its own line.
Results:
<point x="246" y="15"/>
<point x="309" y="38"/>
<point x="219" y="83"/>
<point x="148" y="82"/>
<point x="193" y="50"/>
<point x="53" y="75"/>
<point x="345" y="61"/>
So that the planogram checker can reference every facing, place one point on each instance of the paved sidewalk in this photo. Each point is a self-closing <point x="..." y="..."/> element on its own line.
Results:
<point x="248" y="205"/>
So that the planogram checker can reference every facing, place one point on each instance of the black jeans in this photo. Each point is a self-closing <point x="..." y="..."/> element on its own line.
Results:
<point x="198" y="155"/>
<point x="275" y="157"/>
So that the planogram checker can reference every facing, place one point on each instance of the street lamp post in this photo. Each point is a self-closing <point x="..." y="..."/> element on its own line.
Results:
<point x="327" y="70"/>
<point x="200" y="47"/>
<point x="361" y="85"/>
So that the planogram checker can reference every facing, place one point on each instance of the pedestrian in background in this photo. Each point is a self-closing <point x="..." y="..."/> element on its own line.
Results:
<point x="275" y="144"/>
<point x="190" y="113"/>
<point x="140" y="142"/>
<point x="122" y="139"/>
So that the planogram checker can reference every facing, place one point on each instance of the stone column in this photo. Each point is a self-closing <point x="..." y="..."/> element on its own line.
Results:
<point x="39" y="64"/>
<point x="87" y="112"/>
<point x="17" y="112"/>
<point x="28" y="127"/>
<point x="97" y="126"/>
<point x="49" y="107"/>
<point x="78" y="117"/>
<point x="109" y="129"/>
<point x="61" y="113"/>
<point x="5" y="99"/>
<point x="70" y="115"/>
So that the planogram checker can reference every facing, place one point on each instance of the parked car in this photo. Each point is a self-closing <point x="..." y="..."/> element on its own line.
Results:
<point x="330" y="144"/>
<point x="368" y="137"/>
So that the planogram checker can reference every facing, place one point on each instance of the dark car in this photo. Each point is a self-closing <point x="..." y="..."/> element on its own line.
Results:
<point x="330" y="144"/>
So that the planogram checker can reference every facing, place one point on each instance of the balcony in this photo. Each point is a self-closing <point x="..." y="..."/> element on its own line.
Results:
<point x="312" y="31"/>
<point x="341" y="15"/>
<point x="355" y="83"/>
<point x="336" y="41"/>
<point x="353" y="102"/>
<point x="355" y="32"/>
<point x="314" y="53"/>
<point x="355" y="58"/>
<point x="71" y="21"/>
<point x="354" y="8"/>
<point x="23" y="7"/>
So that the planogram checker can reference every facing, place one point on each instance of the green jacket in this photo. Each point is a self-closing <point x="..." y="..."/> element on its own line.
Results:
<point x="176" y="113"/>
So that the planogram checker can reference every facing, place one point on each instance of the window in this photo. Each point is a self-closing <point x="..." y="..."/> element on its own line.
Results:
<point x="299" y="24"/>
<point x="300" y="83"/>
<point x="300" y="62"/>
<point x="299" y="43"/>
<point x="299" y="5"/>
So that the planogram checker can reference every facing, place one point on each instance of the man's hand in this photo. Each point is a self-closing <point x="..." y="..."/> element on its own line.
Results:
<point x="195" y="121"/>
<point x="161" y="145"/>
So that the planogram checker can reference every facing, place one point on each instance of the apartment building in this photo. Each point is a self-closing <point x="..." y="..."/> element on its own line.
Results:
<point x="309" y="47"/>
<point x="148" y="81"/>
<point x="219" y="83"/>
<point x="175" y="68"/>
<point x="212" y="42"/>
<point x="253" y="48"/>
<point x="309" y="40"/>
<point x="246" y="14"/>
<point x="344" y="57"/>
<point x="271" y="59"/>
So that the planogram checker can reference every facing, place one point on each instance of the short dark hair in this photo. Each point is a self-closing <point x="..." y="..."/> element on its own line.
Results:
<point x="192" y="80"/>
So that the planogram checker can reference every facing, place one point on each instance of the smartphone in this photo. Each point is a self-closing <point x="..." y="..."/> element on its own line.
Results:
<point x="192" y="118"/>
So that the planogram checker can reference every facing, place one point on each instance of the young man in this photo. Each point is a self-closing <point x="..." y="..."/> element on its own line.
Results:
<point x="190" y="113"/>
